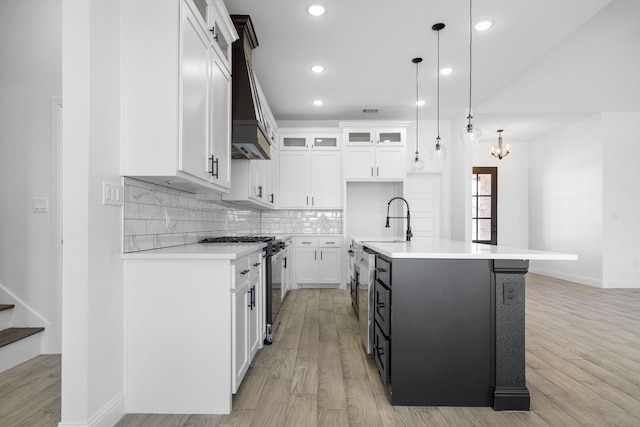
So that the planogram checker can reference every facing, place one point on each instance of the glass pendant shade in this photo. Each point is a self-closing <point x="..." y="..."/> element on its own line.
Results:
<point x="470" y="136"/>
<point x="439" y="152"/>
<point x="417" y="164"/>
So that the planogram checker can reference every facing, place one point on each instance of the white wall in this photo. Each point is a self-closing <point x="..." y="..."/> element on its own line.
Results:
<point x="92" y="335"/>
<point x="427" y="131"/>
<point x="621" y="208"/>
<point x="30" y="76"/>
<point x="565" y="200"/>
<point x="513" y="188"/>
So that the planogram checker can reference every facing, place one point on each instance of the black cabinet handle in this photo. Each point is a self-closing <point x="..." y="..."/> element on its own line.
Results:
<point x="284" y="265"/>
<point x="213" y="32"/>
<point x="272" y="198"/>
<point x="243" y="272"/>
<point x="213" y="169"/>
<point x="252" y="301"/>
<point x="260" y="191"/>
<point x="256" y="264"/>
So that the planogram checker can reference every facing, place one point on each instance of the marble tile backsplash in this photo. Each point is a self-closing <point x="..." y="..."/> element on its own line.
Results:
<point x="301" y="222"/>
<point x="157" y="217"/>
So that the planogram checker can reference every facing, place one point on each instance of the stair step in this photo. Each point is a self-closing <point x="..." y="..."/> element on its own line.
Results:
<point x="11" y="335"/>
<point x="6" y="306"/>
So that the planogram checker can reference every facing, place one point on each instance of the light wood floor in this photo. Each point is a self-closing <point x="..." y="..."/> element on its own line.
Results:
<point x="583" y="369"/>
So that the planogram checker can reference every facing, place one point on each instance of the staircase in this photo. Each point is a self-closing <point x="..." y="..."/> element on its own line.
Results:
<point x="17" y="345"/>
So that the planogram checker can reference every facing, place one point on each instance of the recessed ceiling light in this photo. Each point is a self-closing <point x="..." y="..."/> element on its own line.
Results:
<point x="317" y="68"/>
<point x="318" y="102"/>
<point x="420" y="102"/>
<point x="316" y="9"/>
<point x="483" y="25"/>
<point x="446" y="71"/>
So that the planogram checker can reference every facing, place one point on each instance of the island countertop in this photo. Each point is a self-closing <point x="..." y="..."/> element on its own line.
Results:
<point x="429" y="248"/>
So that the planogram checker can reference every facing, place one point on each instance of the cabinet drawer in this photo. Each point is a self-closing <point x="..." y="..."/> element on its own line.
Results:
<point x="242" y="270"/>
<point x="307" y="242"/>
<point x="383" y="271"/>
<point x="330" y="242"/>
<point x="382" y="307"/>
<point x="381" y="350"/>
<point x="255" y="261"/>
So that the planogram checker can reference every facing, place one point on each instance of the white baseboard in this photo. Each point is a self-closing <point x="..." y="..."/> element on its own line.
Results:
<point x="107" y="416"/>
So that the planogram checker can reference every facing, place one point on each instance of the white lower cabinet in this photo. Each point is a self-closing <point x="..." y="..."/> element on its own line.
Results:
<point x="191" y="331"/>
<point x="246" y="326"/>
<point x="318" y="260"/>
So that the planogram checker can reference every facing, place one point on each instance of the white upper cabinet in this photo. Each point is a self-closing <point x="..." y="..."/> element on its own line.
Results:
<point x="374" y="151"/>
<point x="310" y="169"/>
<point x="314" y="139"/>
<point x="177" y="93"/>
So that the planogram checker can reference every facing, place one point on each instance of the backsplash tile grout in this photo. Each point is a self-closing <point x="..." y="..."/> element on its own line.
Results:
<point x="157" y="217"/>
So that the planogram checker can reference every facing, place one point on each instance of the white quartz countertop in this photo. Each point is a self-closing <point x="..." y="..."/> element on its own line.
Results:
<point x="429" y="248"/>
<point x="230" y="251"/>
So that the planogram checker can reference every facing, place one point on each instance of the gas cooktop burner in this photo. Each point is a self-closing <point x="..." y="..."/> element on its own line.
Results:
<point x="238" y="239"/>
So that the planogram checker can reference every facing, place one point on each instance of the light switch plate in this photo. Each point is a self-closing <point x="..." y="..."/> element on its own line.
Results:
<point x="40" y="204"/>
<point x="111" y="194"/>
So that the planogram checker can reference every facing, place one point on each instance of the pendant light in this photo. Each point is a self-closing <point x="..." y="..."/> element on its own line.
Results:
<point x="418" y="163"/>
<point x="439" y="151"/>
<point x="500" y="152"/>
<point x="470" y="135"/>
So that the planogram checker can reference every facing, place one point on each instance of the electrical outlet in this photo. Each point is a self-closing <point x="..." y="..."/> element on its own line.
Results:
<point x="509" y="293"/>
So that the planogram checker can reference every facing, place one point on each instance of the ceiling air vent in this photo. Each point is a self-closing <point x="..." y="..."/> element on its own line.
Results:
<point x="369" y="110"/>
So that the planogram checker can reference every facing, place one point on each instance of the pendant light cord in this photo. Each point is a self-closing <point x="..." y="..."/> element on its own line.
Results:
<point x="470" y="57"/>
<point x="438" y="94"/>
<point x="417" y="106"/>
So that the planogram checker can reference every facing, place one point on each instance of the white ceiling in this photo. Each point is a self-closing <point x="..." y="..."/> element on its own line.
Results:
<point x="540" y="65"/>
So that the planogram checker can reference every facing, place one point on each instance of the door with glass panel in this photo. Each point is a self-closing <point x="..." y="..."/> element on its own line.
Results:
<point x="484" y="205"/>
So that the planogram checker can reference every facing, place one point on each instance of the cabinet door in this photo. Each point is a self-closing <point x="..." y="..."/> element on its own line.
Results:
<point x="391" y="137"/>
<point x="194" y="97"/>
<point x="306" y="265"/>
<point x="274" y="192"/>
<point x="390" y="163"/>
<point x="293" y="179"/>
<point x="325" y="180"/>
<point x="330" y="265"/>
<point x="359" y="162"/>
<point x="240" y="334"/>
<point x="254" y="318"/>
<point x="360" y="137"/>
<point x="220" y="125"/>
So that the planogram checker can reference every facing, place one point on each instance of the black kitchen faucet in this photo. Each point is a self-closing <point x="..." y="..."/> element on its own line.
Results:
<point x="409" y="233"/>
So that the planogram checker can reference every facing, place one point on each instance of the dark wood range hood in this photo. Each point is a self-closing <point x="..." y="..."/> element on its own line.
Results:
<point x="249" y="140"/>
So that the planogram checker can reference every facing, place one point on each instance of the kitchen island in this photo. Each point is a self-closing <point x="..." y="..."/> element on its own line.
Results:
<point x="450" y="322"/>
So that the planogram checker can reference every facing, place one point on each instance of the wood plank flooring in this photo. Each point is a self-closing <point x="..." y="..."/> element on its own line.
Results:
<point x="583" y="369"/>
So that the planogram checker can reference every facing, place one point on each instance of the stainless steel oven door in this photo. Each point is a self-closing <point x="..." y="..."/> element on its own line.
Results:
<point x="273" y="287"/>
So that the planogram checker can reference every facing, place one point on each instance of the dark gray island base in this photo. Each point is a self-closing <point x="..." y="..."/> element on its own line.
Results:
<point x="450" y="332"/>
